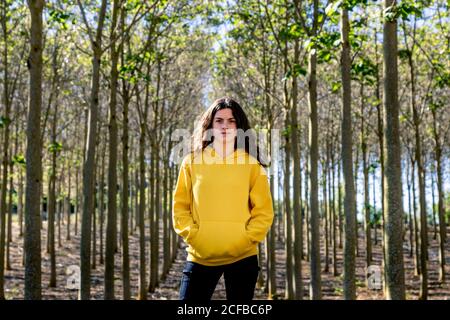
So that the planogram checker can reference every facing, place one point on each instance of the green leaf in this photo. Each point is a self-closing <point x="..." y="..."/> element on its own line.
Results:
<point x="19" y="159"/>
<point x="332" y="8"/>
<point x="404" y="54"/>
<point x="299" y="70"/>
<point x="4" y="121"/>
<point x="336" y="86"/>
<point x="55" y="147"/>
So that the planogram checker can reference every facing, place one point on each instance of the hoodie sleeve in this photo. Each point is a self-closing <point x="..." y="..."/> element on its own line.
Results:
<point x="182" y="218"/>
<point x="260" y="204"/>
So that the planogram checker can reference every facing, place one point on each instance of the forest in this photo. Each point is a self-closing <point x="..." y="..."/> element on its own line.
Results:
<point x="353" y="99"/>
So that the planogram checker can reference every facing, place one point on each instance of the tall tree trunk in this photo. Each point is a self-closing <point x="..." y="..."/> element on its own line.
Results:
<point x="51" y="203"/>
<point x="340" y="203"/>
<point x="366" y="207"/>
<point x="416" y="224"/>
<point x="433" y="205"/>
<point x="155" y="208"/>
<point x="289" y="291"/>
<point x="175" y="237"/>
<point x="68" y="203"/>
<point x="59" y="206"/>
<point x="395" y="275"/>
<point x="111" y="225"/>
<point x="10" y="207"/>
<point x="101" y="206"/>
<point x="89" y="161"/>
<point x="325" y="215"/>
<point x="166" y="231"/>
<point x="331" y="197"/>
<point x="316" y="286"/>
<point x="410" y="218"/>
<point x="125" y="180"/>
<point x="297" y="192"/>
<point x="441" y="209"/>
<point x="20" y="202"/>
<point x="380" y="134"/>
<point x="347" y="162"/>
<point x="143" y="123"/>
<point x="32" y="241"/>
<point x="307" y="214"/>
<point x="5" y="158"/>
<point x="77" y="199"/>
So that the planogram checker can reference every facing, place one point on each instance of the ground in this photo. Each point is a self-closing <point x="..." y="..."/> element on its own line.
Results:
<point x="68" y="254"/>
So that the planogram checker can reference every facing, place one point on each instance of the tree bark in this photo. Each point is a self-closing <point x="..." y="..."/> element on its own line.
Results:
<point x="32" y="241"/>
<point x="347" y="163"/>
<point x="395" y="276"/>
<point x="89" y="161"/>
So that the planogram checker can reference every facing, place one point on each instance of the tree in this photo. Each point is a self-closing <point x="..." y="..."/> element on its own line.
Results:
<point x="394" y="270"/>
<point x="32" y="241"/>
<point x="89" y="161"/>
<point x="347" y="162"/>
<point x="111" y="226"/>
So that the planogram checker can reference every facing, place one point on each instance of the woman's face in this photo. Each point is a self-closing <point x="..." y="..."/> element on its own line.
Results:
<point x="224" y="126"/>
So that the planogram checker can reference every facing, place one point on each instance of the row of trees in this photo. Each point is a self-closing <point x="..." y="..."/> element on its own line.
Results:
<point x="304" y="53"/>
<point x="359" y="89"/>
<point x="109" y="80"/>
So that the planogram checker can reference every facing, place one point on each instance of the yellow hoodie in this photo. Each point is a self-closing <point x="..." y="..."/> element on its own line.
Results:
<point x="222" y="207"/>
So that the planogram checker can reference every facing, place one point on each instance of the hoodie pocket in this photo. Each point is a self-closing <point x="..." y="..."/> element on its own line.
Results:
<point x="221" y="239"/>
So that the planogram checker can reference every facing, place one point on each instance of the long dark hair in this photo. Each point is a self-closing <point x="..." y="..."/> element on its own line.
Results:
<point x="206" y="123"/>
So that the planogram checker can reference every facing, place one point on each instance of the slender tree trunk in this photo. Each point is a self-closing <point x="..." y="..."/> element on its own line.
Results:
<point x="77" y="199"/>
<point x="20" y="203"/>
<point x="155" y="193"/>
<point x="410" y="219"/>
<point x="366" y="182"/>
<point x="175" y="237"/>
<point x="347" y="163"/>
<point x="441" y="209"/>
<point x="316" y="285"/>
<point x="89" y="161"/>
<point x="10" y="207"/>
<point x="374" y="199"/>
<point x="142" y="272"/>
<point x="101" y="206"/>
<point x="331" y="197"/>
<point x="416" y="224"/>
<point x="5" y="157"/>
<point x="68" y="203"/>
<point x="433" y="205"/>
<point x="125" y="181"/>
<point x="32" y="241"/>
<point x="325" y="215"/>
<point x="340" y="203"/>
<point x="51" y="203"/>
<point x="111" y="225"/>
<point x="59" y="207"/>
<point x="289" y="292"/>
<point x="94" y="219"/>
<point x="297" y="192"/>
<point x="395" y="276"/>
<point x="166" y="231"/>
<point x="380" y="133"/>
<point x="308" y="214"/>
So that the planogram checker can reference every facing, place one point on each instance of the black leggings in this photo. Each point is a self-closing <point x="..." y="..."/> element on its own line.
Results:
<point x="199" y="282"/>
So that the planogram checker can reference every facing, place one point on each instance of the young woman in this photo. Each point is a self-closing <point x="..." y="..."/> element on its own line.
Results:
<point x="222" y="206"/>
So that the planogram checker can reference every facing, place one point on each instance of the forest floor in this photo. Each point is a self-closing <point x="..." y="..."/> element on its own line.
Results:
<point x="68" y="254"/>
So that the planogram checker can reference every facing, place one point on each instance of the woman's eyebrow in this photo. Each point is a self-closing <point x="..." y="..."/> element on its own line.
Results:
<point x="219" y="118"/>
